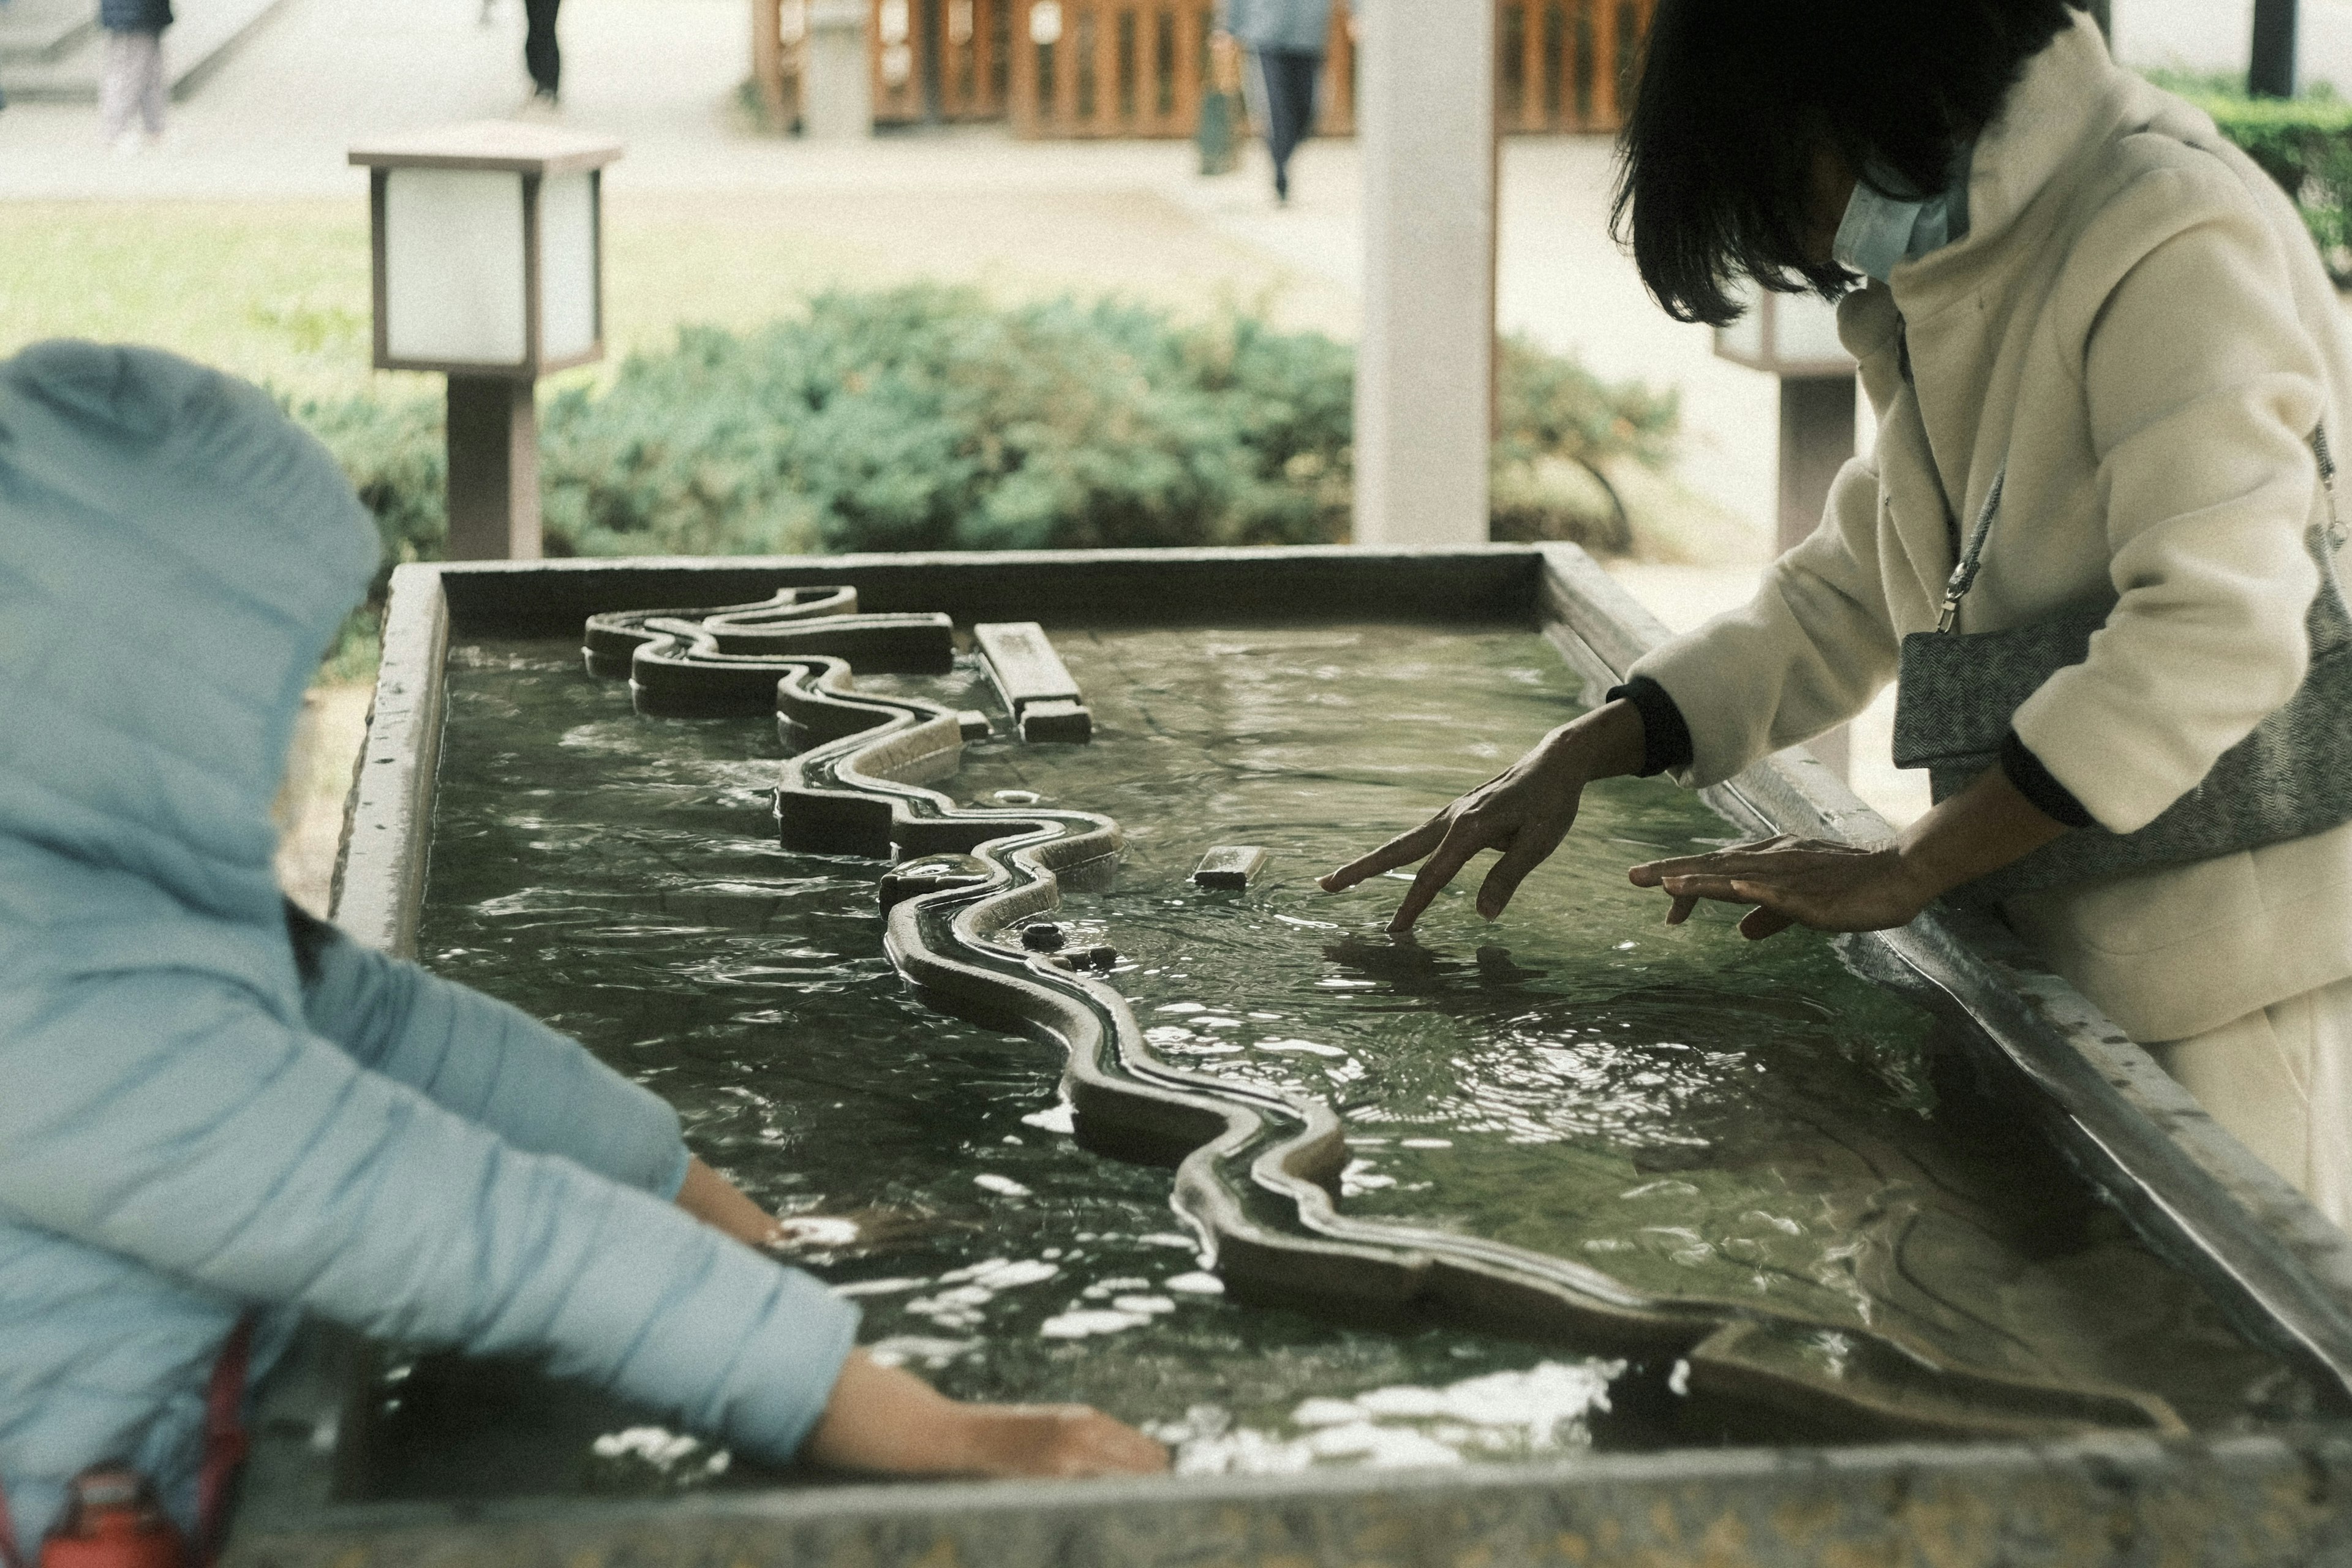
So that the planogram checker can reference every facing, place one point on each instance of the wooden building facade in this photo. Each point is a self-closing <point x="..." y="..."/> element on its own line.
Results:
<point x="1070" y="69"/>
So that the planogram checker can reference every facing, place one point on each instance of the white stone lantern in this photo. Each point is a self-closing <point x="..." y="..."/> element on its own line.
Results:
<point x="1794" y="337"/>
<point x="488" y="269"/>
<point x="1788" y="334"/>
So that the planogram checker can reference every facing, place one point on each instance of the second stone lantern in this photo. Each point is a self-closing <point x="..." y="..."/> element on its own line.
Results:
<point x="488" y="269"/>
<point x="1795" y="337"/>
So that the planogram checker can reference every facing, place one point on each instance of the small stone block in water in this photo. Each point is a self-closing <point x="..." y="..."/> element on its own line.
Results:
<point x="1096" y="957"/>
<point x="932" y="874"/>
<point x="974" y="724"/>
<point x="1043" y="937"/>
<point x="1023" y="664"/>
<point x="1057" y="721"/>
<point x="1231" y="866"/>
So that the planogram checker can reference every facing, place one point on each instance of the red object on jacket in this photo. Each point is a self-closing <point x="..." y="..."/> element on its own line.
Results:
<point x="112" y="1521"/>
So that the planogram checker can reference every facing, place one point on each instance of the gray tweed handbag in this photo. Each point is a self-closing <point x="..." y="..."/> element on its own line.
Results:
<point x="1957" y="693"/>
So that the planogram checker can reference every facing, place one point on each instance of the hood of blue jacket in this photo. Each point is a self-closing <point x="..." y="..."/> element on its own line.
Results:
<point x="175" y="555"/>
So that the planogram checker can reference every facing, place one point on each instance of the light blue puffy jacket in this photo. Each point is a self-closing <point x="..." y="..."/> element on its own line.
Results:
<point x="186" y="1131"/>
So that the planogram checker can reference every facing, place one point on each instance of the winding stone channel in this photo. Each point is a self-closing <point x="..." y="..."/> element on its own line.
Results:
<point x="1256" y="1172"/>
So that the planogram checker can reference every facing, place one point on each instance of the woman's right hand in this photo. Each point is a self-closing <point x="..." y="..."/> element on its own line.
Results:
<point x="886" y="1421"/>
<point x="1524" y="812"/>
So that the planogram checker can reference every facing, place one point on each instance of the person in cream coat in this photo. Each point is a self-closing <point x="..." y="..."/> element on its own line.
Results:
<point x="2053" y="269"/>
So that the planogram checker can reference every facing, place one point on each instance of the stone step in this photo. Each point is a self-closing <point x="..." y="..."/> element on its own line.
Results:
<point x="195" y="45"/>
<point x="37" y="30"/>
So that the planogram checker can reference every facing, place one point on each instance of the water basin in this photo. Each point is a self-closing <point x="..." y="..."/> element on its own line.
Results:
<point x="1541" y="1086"/>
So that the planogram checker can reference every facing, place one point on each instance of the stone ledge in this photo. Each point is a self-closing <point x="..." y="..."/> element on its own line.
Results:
<point x="196" y="46"/>
<point x="2227" y="1504"/>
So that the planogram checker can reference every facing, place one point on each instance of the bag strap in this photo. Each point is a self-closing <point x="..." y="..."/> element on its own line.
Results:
<point x="2327" y="455"/>
<point x="1964" y="576"/>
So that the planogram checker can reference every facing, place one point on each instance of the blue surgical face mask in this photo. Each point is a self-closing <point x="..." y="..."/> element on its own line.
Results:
<point x="1880" y="230"/>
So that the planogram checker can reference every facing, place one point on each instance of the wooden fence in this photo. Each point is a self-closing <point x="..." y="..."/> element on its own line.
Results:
<point x="1561" y="65"/>
<point x="972" y="42"/>
<point x="776" y="32"/>
<point x="1063" y="69"/>
<point x="963" y="45"/>
<point x="1134" y="68"/>
<point x="1097" y="68"/>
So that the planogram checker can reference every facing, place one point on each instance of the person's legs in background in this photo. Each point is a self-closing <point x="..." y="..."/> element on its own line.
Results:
<point x="540" y="54"/>
<point x="131" y="82"/>
<point x="151" y="84"/>
<point x="1286" y="84"/>
<point x="117" y="87"/>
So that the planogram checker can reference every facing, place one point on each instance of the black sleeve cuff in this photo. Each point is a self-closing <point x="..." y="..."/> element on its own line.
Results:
<point x="2036" y="784"/>
<point x="1665" y="738"/>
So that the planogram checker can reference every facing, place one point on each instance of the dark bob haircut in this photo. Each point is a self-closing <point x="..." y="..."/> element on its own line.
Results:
<point x="1737" y="97"/>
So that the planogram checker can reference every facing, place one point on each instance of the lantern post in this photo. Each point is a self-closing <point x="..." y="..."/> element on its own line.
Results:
<point x="487" y="241"/>
<point x="1794" y="337"/>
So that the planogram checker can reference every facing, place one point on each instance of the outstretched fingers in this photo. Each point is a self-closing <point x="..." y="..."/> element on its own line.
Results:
<point x="1739" y="857"/>
<point x="1461" y="842"/>
<point x="1529" y="848"/>
<point x="1402" y="850"/>
<point x="1716" y="888"/>
<point x="1776" y="907"/>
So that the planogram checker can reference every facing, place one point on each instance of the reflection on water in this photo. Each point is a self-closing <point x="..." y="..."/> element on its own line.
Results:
<point x="1501" y="1416"/>
<point x="1692" y="1113"/>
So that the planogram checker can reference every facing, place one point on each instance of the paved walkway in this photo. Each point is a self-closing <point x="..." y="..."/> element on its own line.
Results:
<point x="52" y="51"/>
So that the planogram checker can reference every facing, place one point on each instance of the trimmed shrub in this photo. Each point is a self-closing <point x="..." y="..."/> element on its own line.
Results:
<point x="928" y="418"/>
<point x="1556" y="425"/>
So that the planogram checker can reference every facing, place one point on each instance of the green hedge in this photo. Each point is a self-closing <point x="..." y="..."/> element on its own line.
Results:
<point x="2305" y="143"/>
<point x="926" y="419"/>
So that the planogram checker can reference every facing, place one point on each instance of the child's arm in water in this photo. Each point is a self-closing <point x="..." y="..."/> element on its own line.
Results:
<point x="171" y="1118"/>
<point x="880" y="1419"/>
<point x="541" y="1090"/>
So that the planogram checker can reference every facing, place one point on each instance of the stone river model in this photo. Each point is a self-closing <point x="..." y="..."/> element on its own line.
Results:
<point x="1925" y="1350"/>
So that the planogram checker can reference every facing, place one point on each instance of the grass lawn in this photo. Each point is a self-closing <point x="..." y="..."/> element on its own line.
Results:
<point x="277" y="291"/>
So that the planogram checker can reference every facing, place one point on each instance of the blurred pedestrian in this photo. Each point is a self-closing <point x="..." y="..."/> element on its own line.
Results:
<point x="131" y="81"/>
<point x="541" y="56"/>
<point x="1285" y="40"/>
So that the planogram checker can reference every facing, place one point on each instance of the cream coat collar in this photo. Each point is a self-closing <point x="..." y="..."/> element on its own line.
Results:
<point x="2070" y="98"/>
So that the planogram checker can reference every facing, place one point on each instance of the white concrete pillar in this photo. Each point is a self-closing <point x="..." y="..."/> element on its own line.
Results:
<point x="1424" y="362"/>
<point x="837" y="75"/>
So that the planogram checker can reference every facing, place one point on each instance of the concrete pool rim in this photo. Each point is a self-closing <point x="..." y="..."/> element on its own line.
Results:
<point x="2200" y="1198"/>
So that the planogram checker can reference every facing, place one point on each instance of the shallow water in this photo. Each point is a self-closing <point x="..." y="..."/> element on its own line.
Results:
<point x="1697" y="1115"/>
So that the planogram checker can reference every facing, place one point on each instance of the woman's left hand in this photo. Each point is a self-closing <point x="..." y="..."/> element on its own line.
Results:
<point x="1795" y="881"/>
<point x="1836" y="887"/>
